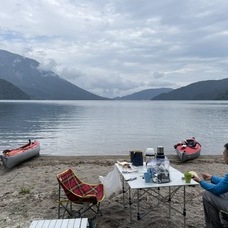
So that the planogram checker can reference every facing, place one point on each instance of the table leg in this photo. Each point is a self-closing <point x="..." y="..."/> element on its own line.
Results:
<point x="138" y="210"/>
<point x="123" y="191"/>
<point x="184" y="209"/>
<point x="169" y="202"/>
<point x="130" y="203"/>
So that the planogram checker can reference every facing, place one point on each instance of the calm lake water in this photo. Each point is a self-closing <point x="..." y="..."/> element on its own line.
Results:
<point x="112" y="127"/>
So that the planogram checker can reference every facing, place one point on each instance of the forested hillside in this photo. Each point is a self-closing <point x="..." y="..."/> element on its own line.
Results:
<point x="10" y="92"/>
<point x="203" y="90"/>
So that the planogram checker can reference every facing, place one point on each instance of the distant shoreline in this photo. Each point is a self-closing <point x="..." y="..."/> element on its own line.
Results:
<point x="121" y="156"/>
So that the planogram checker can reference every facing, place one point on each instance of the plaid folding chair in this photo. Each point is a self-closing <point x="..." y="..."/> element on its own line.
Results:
<point x="77" y="193"/>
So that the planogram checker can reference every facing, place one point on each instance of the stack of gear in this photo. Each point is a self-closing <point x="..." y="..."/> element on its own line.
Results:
<point x="159" y="169"/>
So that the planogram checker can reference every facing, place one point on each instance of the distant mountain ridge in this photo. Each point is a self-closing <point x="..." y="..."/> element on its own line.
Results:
<point x="147" y="94"/>
<point x="202" y="90"/>
<point x="25" y="74"/>
<point x="25" y="80"/>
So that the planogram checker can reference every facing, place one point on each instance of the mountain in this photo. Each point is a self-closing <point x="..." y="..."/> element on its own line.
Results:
<point x="203" y="90"/>
<point x="25" y="74"/>
<point x="147" y="94"/>
<point x="10" y="92"/>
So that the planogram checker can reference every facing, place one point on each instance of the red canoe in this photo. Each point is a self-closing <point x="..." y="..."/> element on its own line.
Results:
<point x="13" y="157"/>
<point x="188" y="149"/>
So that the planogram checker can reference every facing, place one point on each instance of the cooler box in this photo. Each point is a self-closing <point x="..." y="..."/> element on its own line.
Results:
<point x="136" y="157"/>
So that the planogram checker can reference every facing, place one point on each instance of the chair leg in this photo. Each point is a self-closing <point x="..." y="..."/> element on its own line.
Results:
<point x="59" y="203"/>
<point x="90" y="206"/>
<point x="69" y="211"/>
<point x="224" y="218"/>
<point x="97" y="211"/>
<point x="65" y="203"/>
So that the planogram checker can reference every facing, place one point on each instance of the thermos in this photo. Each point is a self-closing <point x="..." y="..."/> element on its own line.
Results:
<point x="160" y="152"/>
<point x="149" y="155"/>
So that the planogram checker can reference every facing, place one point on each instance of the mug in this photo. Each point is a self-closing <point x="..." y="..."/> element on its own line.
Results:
<point x="147" y="177"/>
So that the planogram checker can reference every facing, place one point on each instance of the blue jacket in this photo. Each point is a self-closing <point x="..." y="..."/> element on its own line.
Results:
<point x="218" y="185"/>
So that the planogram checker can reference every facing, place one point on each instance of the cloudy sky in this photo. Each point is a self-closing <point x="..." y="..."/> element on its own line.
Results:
<point x="117" y="47"/>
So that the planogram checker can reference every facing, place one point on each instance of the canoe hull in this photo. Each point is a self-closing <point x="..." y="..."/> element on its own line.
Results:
<point x="20" y="155"/>
<point x="185" y="156"/>
<point x="185" y="152"/>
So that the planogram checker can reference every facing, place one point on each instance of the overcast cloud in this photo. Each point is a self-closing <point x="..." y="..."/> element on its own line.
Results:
<point x="117" y="47"/>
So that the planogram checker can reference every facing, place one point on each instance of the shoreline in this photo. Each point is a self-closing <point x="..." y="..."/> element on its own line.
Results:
<point x="100" y="159"/>
<point x="38" y="176"/>
<point x="171" y="156"/>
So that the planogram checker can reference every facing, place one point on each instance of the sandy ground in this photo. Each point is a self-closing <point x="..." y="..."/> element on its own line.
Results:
<point x="30" y="191"/>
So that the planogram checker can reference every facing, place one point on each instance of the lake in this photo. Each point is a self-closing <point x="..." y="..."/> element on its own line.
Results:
<point x="113" y="127"/>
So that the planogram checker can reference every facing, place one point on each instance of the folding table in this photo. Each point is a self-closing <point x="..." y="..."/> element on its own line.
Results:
<point x="137" y="187"/>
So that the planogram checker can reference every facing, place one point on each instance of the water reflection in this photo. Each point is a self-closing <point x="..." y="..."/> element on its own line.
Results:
<point x="112" y="127"/>
<point x="36" y="120"/>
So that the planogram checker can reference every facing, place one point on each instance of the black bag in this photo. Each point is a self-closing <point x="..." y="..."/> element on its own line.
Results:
<point x="136" y="158"/>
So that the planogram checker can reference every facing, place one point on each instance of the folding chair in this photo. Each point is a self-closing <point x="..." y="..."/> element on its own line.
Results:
<point x="224" y="218"/>
<point x="77" y="193"/>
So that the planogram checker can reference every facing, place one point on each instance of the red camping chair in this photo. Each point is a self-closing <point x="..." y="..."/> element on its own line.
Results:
<point x="77" y="193"/>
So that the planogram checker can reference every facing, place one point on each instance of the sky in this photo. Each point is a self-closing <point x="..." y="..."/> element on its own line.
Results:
<point x="118" y="47"/>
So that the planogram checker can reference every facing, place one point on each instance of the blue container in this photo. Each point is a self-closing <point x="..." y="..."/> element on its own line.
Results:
<point x="147" y="177"/>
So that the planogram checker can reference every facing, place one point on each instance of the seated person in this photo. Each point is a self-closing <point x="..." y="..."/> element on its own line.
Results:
<point x="215" y="198"/>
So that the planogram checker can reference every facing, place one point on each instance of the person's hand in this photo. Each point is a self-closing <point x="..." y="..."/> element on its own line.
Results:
<point x="196" y="178"/>
<point x="206" y="176"/>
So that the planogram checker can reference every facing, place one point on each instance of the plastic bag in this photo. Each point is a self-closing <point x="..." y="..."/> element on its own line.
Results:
<point x="112" y="183"/>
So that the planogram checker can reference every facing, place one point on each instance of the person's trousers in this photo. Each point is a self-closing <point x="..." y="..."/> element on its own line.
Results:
<point x="212" y="205"/>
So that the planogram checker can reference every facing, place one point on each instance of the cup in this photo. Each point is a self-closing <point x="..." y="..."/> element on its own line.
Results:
<point x="187" y="177"/>
<point x="147" y="177"/>
<point x="151" y="171"/>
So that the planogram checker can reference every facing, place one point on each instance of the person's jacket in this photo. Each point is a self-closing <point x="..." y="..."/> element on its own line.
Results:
<point x="218" y="185"/>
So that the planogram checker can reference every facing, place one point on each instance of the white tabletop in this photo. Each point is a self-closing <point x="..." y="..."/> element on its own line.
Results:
<point x="176" y="178"/>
